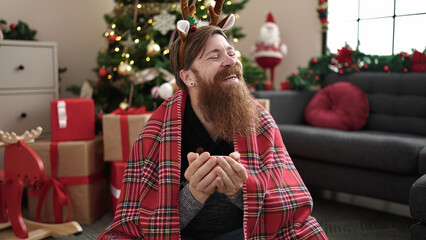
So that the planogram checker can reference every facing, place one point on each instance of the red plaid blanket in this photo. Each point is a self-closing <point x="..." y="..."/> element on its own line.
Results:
<point x="277" y="205"/>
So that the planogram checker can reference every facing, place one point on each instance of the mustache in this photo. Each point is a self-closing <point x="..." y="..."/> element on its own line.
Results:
<point x="231" y="70"/>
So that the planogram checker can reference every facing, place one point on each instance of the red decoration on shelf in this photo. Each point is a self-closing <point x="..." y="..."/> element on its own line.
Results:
<point x="314" y="61"/>
<point x="13" y="26"/>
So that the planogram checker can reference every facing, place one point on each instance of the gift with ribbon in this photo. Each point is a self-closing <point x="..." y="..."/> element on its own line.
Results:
<point x="116" y="178"/>
<point x="74" y="187"/>
<point x="72" y="119"/>
<point x="120" y="129"/>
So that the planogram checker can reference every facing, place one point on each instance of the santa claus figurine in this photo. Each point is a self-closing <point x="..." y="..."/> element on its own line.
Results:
<point x="269" y="49"/>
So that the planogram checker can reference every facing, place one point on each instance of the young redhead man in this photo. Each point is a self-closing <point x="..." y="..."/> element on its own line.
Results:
<point x="211" y="163"/>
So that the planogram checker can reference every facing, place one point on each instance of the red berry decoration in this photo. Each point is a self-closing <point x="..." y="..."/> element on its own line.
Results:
<point x="365" y="66"/>
<point x="316" y="78"/>
<point x="192" y="28"/>
<point x="386" y="68"/>
<point x="341" y="71"/>
<point x="406" y="55"/>
<point x="314" y="60"/>
<point x="405" y="70"/>
<point x="13" y="26"/>
<point x="102" y="72"/>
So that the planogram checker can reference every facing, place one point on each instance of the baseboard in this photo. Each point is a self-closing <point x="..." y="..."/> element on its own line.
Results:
<point x="367" y="202"/>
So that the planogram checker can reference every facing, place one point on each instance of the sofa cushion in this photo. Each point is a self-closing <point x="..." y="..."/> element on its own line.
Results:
<point x="387" y="152"/>
<point x="397" y="100"/>
<point x="341" y="105"/>
<point x="418" y="199"/>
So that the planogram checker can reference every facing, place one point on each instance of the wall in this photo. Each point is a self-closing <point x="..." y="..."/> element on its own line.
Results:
<point x="78" y="26"/>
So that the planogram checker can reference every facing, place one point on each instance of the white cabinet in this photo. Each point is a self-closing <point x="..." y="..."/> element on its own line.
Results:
<point x="28" y="82"/>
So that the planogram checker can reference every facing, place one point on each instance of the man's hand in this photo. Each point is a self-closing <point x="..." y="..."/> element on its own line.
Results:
<point x="231" y="174"/>
<point x="201" y="178"/>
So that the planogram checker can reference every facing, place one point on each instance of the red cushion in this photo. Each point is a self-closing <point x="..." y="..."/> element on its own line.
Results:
<point x="340" y="105"/>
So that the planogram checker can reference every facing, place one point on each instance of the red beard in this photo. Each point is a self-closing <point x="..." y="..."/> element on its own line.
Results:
<point x="228" y="106"/>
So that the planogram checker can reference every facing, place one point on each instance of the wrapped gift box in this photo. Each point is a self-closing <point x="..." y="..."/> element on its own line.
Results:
<point x="116" y="178"/>
<point x="120" y="131"/>
<point x="79" y="170"/>
<point x="72" y="119"/>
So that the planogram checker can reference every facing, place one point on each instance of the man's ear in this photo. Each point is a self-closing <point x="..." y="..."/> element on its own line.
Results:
<point x="186" y="77"/>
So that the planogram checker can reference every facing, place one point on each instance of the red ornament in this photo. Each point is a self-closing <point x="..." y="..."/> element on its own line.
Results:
<point x="102" y="72"/>
<point x="314" y="61"/>
<point x="386" y="68"/>
<point x="13" y="26"/>
<point x="405" y="70"/>
<point x="192" y="28"/>
<point x="406" y="55"/>
<point x="316" y="78"/>
<point x="365" y="66"/>
<point x="112" y="38"/>
<point x="341" y="71"/>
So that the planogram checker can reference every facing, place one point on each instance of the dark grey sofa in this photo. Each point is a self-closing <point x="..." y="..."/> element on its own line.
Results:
<point x="382" y="160"/>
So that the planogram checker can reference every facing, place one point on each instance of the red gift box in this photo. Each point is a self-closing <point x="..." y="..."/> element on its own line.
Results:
<point x="116" y="178"/>
<point x="72" y="119"/>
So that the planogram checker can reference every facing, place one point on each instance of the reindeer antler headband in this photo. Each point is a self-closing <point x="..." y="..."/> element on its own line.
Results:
<point x="186" y="27"/>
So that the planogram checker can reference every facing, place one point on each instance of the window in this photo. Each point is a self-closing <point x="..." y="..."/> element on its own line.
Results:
<point x="381" y="27"/>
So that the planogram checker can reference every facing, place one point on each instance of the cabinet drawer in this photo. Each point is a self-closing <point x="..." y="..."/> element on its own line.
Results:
<point x="25" y="112"/>
<point x="27" y="67"/>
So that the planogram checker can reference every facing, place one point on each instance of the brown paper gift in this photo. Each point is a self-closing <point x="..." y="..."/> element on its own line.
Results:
<point x="112" y="125"/>
<point x="78" y="162"/>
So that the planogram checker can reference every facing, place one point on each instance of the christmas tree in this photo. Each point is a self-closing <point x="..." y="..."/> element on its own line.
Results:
<point x="134" y="68"/>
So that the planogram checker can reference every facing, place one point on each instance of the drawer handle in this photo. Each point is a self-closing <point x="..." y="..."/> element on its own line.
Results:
<point x="21" y="67"/>
<point x="23" y="115"/>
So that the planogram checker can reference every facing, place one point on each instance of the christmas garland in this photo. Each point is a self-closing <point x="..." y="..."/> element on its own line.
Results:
<point x="347" y="61"/>
<point x="20" y="31"/>
<point x="322" y="13"/>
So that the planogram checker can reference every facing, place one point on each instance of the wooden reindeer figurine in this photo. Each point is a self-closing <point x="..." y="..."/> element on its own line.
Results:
<point x="22" y="166"/>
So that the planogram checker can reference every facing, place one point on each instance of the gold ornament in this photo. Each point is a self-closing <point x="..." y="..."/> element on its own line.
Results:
<point x="153" y="49"/>
<point x="124" y="105"/>
<point x="125" y="69"/>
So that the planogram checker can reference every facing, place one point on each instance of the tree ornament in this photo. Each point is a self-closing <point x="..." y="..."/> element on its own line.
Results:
<point x="12" y="26"/>
<point x="129" y="43"/>
<point x="269" y="48"/>
<point x="125" y="69"/>
<point x="153" y="49"/>
<point x="155" y="91"/>
<point x="164" y="22"/>
<point x="124" y="105"/>
<point x="102" y="72"/>
<point x="112" y="38"/>
<point x="165" y="91"/>
<point x="314" y="60"/>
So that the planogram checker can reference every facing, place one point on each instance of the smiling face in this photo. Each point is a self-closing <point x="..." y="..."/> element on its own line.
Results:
<point x="218" y="62"/>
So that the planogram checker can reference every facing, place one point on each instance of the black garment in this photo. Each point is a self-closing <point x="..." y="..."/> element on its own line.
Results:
<point x="218" y="214"/>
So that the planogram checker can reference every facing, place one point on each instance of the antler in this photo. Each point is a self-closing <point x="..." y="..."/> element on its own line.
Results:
<point x="187" y="11"/>
<point x="11" y="138"/>
<point x="214" y="14"/>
